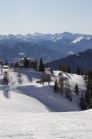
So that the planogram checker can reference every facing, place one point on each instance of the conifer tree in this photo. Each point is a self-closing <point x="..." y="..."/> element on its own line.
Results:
<point x="41" y="65"/>
<point x="68" y="69"/>
<point x="88" y="92"/>
<point x="6" y="63"/>
<point x="87" y="96"/>
<point x="61" y="82"/>
<point x="62" y="68"/>
<point x="26" y="63"/>
<point x="78" y="70"/>
<point x="76" y="89"/>
<point x="56" y="86"/>
<point x="68" y="90"/>
<point x="83" y="103"/>
<point x="81" y="72"/>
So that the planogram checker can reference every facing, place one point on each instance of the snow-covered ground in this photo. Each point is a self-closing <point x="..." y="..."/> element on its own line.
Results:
<point x="29" y="110"/>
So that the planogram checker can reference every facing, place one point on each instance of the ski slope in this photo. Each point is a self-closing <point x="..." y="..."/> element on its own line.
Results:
<point x="32" y="111"/>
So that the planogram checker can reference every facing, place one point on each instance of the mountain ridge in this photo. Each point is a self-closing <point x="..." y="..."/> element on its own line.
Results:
<point x="82" y="60"/>
<point x="59" y="44"/>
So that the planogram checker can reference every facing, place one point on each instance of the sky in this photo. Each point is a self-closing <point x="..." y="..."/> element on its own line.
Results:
<point x="45" y="16"/>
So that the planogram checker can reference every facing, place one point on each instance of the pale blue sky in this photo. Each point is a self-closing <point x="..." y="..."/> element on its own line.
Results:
<point x="45" y="16"/>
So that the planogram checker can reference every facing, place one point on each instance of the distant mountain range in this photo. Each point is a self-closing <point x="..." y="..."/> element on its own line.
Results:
<point x="82" y="59"/>
<point x="47" y="46"/>
<point x="24" y="49"/>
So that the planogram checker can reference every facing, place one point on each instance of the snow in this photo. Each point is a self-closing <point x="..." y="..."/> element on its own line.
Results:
<point x="71" y="53"/>
<point x="29" y="110"/>
<point x="46" y="126"/>
<point x="5" y="66"/>
<point x="78" y="39"/>
<point x="21" y="54"/>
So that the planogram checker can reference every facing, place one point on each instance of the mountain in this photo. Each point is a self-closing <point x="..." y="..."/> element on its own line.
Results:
<point x="82" y="59"/>
<point x="67" y="42"/>
<point x="7" y="53"/>
<point x="47" y="46"/>
<point x="37" y="51"/>
<point x="22" y="49"/>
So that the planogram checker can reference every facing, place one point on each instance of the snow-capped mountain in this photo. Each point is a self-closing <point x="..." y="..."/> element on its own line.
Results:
<point x="67" y="42"/>
<point x="47" y="46"/>
<point x="82" y="59"/>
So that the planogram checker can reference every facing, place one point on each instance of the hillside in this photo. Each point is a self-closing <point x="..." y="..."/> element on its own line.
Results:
<point x="82" y="59"/>
<point x="45" y="94"/>
<point x="26" y="107"/>
<point x="27" y="49"/>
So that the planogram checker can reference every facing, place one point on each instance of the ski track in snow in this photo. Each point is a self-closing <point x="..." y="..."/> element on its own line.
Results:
<point x="30" y="111"/>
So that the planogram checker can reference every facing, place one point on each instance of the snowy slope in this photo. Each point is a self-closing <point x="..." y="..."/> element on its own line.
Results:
<point x="75" y="125"/>
<point x="27" y="86"/>
<point x="13" y="101"/>
<point x="28" y="110"/>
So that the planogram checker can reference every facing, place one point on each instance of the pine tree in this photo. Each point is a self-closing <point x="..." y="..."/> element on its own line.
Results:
<point x="87" y="96"/>
<point x="6" y="63"/>
<point x="68" y="69"/>
<point x="76" y="89"/>
<point x="61" y="82"/>
<point x="41" y="65"/>
<point x="36" y="64"/>
<point x="83" y="103"/>
<point x="88" y="92"/>
<point x="62" y="68"/>
<point x="81" y="72"/>
<point x="56" y="86"/>
<point x="26" y="63"/>
<point x="68" y="90"/>
<point x="78" y="70"/>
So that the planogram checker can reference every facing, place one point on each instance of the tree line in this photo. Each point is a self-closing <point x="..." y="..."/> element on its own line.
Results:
<point x="67" y="69"/>
<point x="62" y="85"/>
<point x="86" y="98"/>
